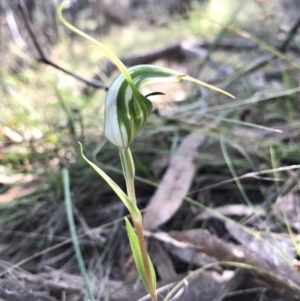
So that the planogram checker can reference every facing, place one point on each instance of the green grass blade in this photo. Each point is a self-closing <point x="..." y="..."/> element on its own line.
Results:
<point x="68" y="202"/>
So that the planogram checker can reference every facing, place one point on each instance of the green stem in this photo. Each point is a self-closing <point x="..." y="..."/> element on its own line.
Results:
<point x="129" y="172"/>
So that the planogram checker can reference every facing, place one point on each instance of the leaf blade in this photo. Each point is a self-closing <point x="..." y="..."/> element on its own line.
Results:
<point x="134" y="244"/>
<point x="132" y="208"/>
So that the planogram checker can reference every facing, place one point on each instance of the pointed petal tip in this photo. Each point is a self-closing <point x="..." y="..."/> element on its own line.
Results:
<point x="201" y="83"/>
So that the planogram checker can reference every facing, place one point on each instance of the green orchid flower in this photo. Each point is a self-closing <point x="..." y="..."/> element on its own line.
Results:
<point x="126" y="109"/>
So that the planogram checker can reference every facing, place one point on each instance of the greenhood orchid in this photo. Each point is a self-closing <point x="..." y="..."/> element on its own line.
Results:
<point x="126" y="110"/>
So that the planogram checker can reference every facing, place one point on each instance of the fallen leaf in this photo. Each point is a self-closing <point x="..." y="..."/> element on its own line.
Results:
<point x="17" y="191"/>
<point x="185" y="252"/>
<point x="175" y="183"/>
<point x="202" y="240"/>
<point x="267" y="245"/>
<point x="191" y="256"/>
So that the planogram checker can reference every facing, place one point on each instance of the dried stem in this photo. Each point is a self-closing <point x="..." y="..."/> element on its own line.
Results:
<point x="43" y="57"/>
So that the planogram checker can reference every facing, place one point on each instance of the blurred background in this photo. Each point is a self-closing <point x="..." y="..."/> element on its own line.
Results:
<point x="231" y="163"/>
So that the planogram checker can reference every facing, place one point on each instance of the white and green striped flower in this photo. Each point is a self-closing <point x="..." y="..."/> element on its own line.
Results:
<point x="126" y="109"/>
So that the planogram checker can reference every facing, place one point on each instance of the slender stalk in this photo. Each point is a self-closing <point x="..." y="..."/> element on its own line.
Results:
<point x="131" y="190"/>
<point x="129" y="172"/>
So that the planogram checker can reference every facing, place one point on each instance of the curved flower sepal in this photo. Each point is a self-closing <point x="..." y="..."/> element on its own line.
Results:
<point x="126" y="109"/>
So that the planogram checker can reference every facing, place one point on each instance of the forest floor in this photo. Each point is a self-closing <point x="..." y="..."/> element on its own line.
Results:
<point x="217" y="179"/>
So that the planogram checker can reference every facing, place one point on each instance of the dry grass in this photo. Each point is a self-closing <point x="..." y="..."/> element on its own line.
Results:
<point x="44" y="114"/>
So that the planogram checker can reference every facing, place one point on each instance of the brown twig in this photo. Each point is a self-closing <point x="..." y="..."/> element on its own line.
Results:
<point x="43" y="57"/>
<point x="178" y="51"/>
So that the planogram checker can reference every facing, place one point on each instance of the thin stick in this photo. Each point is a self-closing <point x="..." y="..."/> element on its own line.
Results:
<point x="43" y="57"/>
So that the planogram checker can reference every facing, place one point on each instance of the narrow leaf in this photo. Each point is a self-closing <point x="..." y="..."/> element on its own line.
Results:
<point x="76" y="245"/>
<point x="135" y="248"/>
<point x="132" y="208"/>
<point x="153" y="275"/>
